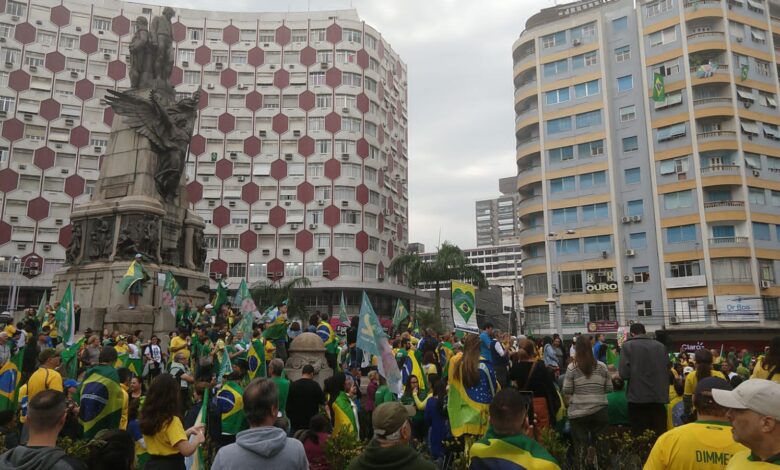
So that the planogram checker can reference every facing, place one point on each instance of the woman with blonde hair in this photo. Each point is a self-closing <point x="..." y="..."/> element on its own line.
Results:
<point x="472" y="387"/>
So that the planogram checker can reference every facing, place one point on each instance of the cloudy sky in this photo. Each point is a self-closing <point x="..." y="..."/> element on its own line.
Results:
<point x="461" y="118"/>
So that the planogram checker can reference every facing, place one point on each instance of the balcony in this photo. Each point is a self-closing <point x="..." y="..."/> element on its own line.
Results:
<point x="712" y="101"/>
<point x="709" y="136"/>
<point x="524" y="87"/>
<point x="525" y="143"/>
<point x="695" y="4"/>
<point x="528" y="203"/>
<point x="728" y="242"/>
<point x="713" y="170"/>
<point x="723" y="204"/>
<point x="529" y="171"/>
<point x="706" y="36"/>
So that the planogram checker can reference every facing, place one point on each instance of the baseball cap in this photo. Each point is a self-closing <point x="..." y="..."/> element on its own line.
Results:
<point x="687" y="370"/>
<point x="70" y="383"/>
<point x="138" y="255"/>
<point x="704" y="388"/>
<point x="208" y="306"/>
<point x="388" y="418"/>
<point x="758" y="395"/>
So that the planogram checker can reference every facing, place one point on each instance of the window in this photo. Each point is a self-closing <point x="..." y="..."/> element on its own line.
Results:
<point x="665" y="36"/>
<point x="583" y="90"/>
<point x="293" y="269"/>
<point x="592" y="180"/>
<point x="556" y="68"/>
<point x="556" y="126"/>
<point x="102" y="24"/>
<point x="681" y="234"/>
<point x="761" y="231"/>
<point x="346" y="56"/>
<point x="590" y="149"/>
<point x="316" y="123"/>
<point x="757" y="196"/>
<point x="627" y="113"/>
<point x="191" y="77"/>
<point x="316" y="78"/>
<point x="236" y="269"/>
<point x="731" y="270"/>
<point x="352" y="35"/>
<point x="7" y="104"/>
<point x="583" y="32"/>
<point x="564" y="216"/>
<point x="349" y="269"/>
<point x="370" y="41"/>
<point x="230" y="241"/>
<point x="350" y="217"/>
<point x="671" y="132"/>
<point x="762" y="67"/>
<point x="672" y="98"/>
<point x="555" y="39"/>
<point x="598" y="243"/>
<point x="753" y="160"/>
<point x="557" y="96"/>
<point x="571" y="282"/>
<point x="595" y="211"/>
<point x="238" y="57"/>
<point x="561" y="154"/>
<point x="630" y="144"/>
<point x="678" y="199"/>
<point x="685" y="269"/>
<point x="317" y="35"/>
<point x="605" y="311"/>
<point x="638" y="241"/>
<point x="641" y="274"/>
<point x="766" y="270"/>
<point x="584" y="60"/>
<point x="567" y="247"/>
<point x="667" y="68"/>
<point x="632" y="176"/>
<point x="351" y="124"/>
<point x="623" y="54"/>
<point x="344" y="240"/>
<point x="644" y="308"/>
<point x="6" y="30"/>
<point x="758" y="35"/>
<point x="625" y="83"/>
<point x="656" y="8"/>
<point x="354" y="79"/>
<point x="635" y="207"/>
<point x="589" y="119"/>
<point x="620" y="24"/>
<point x="15" y="8"/>
<point x="46" y="38"/>
<point x="535" y="284"/>
<point x="566" y="183"/>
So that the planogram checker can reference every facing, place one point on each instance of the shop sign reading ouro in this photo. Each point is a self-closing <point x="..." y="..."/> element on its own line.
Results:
<point x="605" y="283"/>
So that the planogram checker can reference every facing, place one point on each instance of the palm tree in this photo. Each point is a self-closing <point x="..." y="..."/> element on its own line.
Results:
<point x="267" y="293"/>
<point x="449" y="263"/>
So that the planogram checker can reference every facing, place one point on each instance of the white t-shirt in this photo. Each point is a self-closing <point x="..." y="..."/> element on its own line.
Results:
<point x="133" y="351"/>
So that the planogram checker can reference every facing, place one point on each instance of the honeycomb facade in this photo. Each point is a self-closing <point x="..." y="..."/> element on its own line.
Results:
<point x="299" y="159"/>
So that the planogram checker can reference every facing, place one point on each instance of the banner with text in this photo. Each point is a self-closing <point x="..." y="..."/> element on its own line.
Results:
<point x="738" y="309"/>
<point x="464" y="307"/>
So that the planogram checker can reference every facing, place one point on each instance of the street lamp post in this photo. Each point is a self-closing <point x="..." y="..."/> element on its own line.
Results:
<point x="14" y="286"/>
<point x="554" y="300"/>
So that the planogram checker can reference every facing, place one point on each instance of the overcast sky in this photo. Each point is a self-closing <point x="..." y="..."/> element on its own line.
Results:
<point x="461" y="117"/>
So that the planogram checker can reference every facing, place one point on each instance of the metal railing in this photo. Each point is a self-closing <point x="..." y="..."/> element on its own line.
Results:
<point x="720" y="169"/>
<point x="713" y="204"/>
<point x="714" y="99"/>
<point x="698" y="3"/>
<point x="729" y="241"/>
<point x="706" y="34"/>
<point x="715" y="134"/>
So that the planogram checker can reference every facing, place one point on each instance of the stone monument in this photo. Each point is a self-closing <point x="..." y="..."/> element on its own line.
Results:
<point x="307" y="348"/>
<point x="139" y="204"/>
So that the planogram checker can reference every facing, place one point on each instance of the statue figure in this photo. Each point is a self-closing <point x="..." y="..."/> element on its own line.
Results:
<point x="142" y="56"/>
<point x="200" y="249"/>
<point x="74" y="248"/>
<point x="151" y="238"/>
<point x="100" y="240"/>
<point x="161" y="33"/>
<point x="169" y="129"/>
<point x="125" y="245"/>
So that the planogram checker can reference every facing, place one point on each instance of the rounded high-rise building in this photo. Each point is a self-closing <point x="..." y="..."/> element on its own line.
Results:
<point x="299" y="159"/>
<point x="648" y="166"/>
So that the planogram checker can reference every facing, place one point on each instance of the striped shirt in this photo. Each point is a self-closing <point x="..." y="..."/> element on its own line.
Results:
<point x="586" y="395"/>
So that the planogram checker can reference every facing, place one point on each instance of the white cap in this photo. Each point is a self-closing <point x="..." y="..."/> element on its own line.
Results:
<point x="138" y="255"/>
<point x="758" y="395"/>
<point x="687" y="370"/>
<point x="208" y="307"/>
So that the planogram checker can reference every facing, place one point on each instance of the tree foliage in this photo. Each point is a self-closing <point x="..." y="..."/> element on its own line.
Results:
<point x="267" y="293"/>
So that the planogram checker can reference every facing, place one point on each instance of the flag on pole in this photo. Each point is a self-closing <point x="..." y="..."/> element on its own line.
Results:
<point x="65" y="317"/>
<point x="659" y="90"/>
<point x="135" y="273"/>
<point x="225" y="366"/>
<point x="371" y="339"/>
<point x="464" y="307"/>
<point x="743" y="72"/>
<point x="400" y="314"/>
<point x="199" y="463"/>
<point x="343" y="310"/>
<point x="247" y="308"/>
<point x="255" y="359"/>
<point x="41" y="315"/>
<point x="170" y="291"/>
<point x="70" y="360"/>
<point x="221" y="296"/>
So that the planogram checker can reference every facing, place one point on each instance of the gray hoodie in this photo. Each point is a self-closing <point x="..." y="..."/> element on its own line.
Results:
<point x="38" y="458"/>
<point x="263" y="447"/>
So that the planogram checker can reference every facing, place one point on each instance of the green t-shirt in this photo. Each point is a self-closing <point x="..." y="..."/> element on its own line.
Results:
<point x="617" y="408"/>
<point x="284" y="390"/>
<point x="383" y="395"/>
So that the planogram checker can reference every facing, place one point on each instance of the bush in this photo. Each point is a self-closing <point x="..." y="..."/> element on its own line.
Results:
<point x="341" y="448"/>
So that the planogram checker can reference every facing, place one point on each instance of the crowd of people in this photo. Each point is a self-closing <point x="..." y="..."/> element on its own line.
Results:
<point x="211" y="394"/>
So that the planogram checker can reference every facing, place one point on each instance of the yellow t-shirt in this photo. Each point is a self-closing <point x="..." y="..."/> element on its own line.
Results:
<point x="177" y="342"/>
<point x="760" y="373"/>
<point x="121" y="349"/>
<point x="43" y="379"/>
<point x="691" y="380"/>
<point x="703" y="445"/>
<point x="164" y="442"/>
<point x="744" y="461"/>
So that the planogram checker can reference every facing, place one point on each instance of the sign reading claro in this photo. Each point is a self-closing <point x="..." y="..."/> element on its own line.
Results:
<point x="600" y="282"/>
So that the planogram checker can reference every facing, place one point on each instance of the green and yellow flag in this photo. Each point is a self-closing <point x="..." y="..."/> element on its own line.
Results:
<point x="70" y="359"/>
<point x="659" y="90"/>
<point x="247" y="308"/>
<point x="344" y="419"/>
<point x="231" y="404"/>
<point x="101" y="400"/>
<point x="170" y="291"/>
<point x="256" y="359"/>
<point x="65" y="317"/>
<point x="199" y="462"/>
<point x="343" y="310"/>
<point x="135" y="273"/>
<point x="136" y="366"/>
<point x="467" y="407"/>
<point x="743" y="72"/>
<point x="400" y="314"/>
<point x="510" y="452"/>
<point x="9" y="379"/>
<point x="221" y="296"/>
<point x="41" y="315"/>
<point x="225" y="366"/>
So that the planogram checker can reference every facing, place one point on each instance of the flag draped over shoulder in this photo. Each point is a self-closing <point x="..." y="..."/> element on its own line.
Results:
<point x="199" y="463"/>
<point x="400" y="314"/>
<point x="343" y="310"/>
<point x="9" y="378"/>
<point x="256" y="359"/>
<point x="325" y="332"/>
<point x="221" y="296"/>
<point x="135" y="273"/>
<point x="231" y="405"/>
<point x="411" y="366"/>
<point x="170" y="291"/>
<point x="467" y="407"/>
<point x="510" y="453"/>
<point x="371" y="339"/>
<point x="101" y="400"/>
<point x="344" y="420"/>
<point x="65" y="317"/>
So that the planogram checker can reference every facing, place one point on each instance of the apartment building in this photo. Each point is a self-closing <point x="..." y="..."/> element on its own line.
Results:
<point x="299" y="159"/>
<point x="496" y="219"/>
<point x="661" y="208"/>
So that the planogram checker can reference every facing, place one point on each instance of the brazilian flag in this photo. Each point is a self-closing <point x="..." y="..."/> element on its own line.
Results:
<point x="325" y="332"/>
<point x="277" y="329"/>
<point x="411" y="366"/>
<point x="256" y="359"/>
<point x="467" y="407"/>
<point x="510" y="453"/>
<point x="659" y="89"/>
<point x="231" y="404"/>
<point x="136" y="366"/>
<point x="344" y="419"/>
<point x="135" y="273"/>
<point x="9" y="377"/>
<point x="101" y="400"/>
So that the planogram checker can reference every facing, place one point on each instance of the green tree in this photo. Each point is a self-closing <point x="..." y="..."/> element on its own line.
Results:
<point x="449" y="263"/>
<point x="428" y="319"/>
<point x="267" y="293"/>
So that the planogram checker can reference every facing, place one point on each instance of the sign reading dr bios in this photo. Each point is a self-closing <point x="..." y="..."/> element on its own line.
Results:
<point x="602" y="326"/>
<point x="738" y="308"/>
<point x="604" y="282"/>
